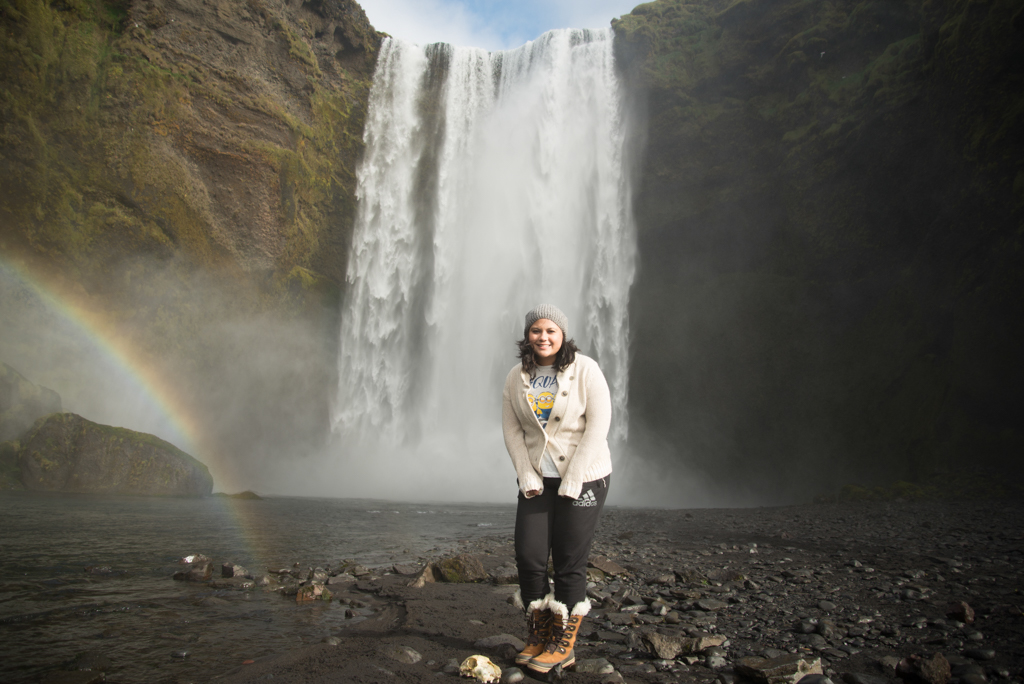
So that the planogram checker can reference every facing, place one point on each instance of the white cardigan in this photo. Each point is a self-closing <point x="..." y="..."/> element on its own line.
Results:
<point x="577" y="431"/>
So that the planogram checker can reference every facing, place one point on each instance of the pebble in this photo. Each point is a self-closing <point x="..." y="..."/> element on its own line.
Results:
<point x="594" y="666"/>
<point x="973" y="678"/>
<point x="512" y="675"/>
<point x="402" y="654"/>
<point x="815" y="679"/>
<point x="659" y="596"/>
<point x="859" y="678"/>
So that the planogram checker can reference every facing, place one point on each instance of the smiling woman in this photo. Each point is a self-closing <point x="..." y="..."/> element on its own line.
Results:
<point x="487" y="24"/>
<point x="556" y="411"/>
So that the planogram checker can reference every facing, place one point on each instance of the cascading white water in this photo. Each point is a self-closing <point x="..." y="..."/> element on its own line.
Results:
<point x="492" y="182"/>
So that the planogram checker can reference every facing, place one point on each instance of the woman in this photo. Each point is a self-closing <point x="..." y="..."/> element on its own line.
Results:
<point x="556" y="410"/>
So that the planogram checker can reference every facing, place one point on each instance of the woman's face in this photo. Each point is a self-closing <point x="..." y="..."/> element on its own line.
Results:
<point x="546" y="339"/>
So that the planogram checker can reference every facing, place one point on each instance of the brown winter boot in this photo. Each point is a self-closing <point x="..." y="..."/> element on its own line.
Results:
<point x="538" y="617"/>
<point x="565" y="627"/>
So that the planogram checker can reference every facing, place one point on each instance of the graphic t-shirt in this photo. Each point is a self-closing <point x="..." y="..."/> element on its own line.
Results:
<point x="543" y="389"/>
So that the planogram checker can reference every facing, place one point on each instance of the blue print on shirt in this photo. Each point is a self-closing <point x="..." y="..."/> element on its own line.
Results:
<point x="542" y="403"/>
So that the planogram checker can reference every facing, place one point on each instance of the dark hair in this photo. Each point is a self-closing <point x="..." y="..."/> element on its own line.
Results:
<point x="564" y="357"/>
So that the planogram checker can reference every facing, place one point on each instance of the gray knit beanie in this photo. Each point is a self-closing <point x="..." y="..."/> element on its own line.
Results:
<point x="552" y="313"/>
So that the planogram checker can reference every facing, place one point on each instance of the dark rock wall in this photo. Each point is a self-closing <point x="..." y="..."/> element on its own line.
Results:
<point x="67" y="453"/>
<point x="830" y="211"/>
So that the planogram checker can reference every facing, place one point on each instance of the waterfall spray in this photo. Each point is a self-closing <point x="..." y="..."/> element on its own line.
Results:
<point x="491" y="182"/>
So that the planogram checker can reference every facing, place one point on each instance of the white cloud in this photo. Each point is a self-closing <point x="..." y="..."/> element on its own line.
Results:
<point x="490" y="24"/>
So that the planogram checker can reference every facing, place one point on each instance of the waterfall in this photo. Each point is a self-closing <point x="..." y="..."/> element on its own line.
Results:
<point x="491" y="182"/>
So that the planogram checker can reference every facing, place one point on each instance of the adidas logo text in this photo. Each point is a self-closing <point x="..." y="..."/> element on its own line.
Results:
<point x="587" y="499"/>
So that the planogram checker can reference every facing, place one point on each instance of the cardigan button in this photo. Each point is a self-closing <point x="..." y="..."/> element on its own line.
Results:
<point x="565" y="394"/>
<point x="572" y="377"/>
<point x="561" y="458"/>
<point x="557" y="418"/>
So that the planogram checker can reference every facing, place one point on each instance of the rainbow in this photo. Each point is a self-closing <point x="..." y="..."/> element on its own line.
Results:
<point x="147" y="379"/>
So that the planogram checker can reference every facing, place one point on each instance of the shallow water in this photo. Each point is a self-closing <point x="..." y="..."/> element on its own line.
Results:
<point x="128" y="608"/>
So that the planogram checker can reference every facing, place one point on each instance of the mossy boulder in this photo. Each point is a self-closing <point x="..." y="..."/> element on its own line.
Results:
<point x="22" y="403"/>
<point x="461" y="568"/>
<point x="64" y="452"/>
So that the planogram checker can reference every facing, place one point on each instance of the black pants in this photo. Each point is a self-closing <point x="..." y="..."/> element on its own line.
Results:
<point x="549" y="523"/>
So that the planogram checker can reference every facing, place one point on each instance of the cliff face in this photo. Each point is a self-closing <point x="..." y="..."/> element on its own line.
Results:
<point x="67" y="453"/>
<point x="216" y="134"/>
<point x="181" y="173"/>
<point x="830" y="210"/>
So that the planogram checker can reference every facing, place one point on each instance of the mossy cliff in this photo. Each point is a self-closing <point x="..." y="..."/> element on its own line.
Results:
<point x="222" y="134"/>
<point x="830" y="212"/>
<point x="183" y="172"/>
<point x="67" y="453"/>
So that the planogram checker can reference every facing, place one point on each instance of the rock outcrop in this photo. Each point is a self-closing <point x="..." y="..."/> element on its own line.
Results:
<point x="64" y="452"/>
<point x="22" y="403"/>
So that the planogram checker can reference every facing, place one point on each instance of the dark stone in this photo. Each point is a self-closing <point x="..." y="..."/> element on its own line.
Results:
<point x="860" y="678"/>
<point x="313" y="592"/>
<point x="461" y="568"/>
<point x="195" y="572"/>
<point x="611" y="637"/>
<point x="920" y="670"/>
<point x="711" y="604"/>
<point x="815" y="679"/>
<point x="401" y="654"/>
<point x="787" y="669"/>
<point x="609" y="567"/>
<point x="960" y="610"/>
<point x="505" y="574"/>
<point x="232" y="570"/>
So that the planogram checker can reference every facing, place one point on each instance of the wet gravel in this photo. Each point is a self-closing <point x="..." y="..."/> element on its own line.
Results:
<point x="861" y="593"/>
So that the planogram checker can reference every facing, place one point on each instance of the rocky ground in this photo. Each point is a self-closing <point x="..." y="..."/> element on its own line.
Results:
<point x="863" y="593"/>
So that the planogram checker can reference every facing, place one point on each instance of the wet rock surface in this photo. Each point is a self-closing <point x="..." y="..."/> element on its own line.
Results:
<point x="864" y="593"/>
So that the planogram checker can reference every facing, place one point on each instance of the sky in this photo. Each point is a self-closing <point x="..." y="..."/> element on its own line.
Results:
<point x="489" y="24"/>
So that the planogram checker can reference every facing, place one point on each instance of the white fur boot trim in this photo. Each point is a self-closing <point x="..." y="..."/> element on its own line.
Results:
<point x="559" y="608"/>
<point x="517" y="600"/>
<point x="581" y="608"/>
<point x="536" y="604"/>
<point x="541" y="603"/>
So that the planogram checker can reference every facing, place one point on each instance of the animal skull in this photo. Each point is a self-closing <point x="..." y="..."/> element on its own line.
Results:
<point x="481" y="668"/>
